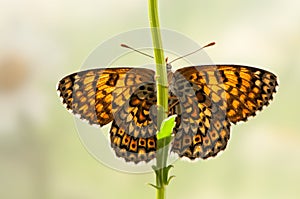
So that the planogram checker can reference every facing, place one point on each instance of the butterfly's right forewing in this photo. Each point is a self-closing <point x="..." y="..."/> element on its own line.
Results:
<point x="225" y="94"/>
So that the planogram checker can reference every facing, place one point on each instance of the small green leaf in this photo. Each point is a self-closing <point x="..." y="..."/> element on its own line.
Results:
<point x="170" y="178"/>
<point x="166" y="128"/>
<point x="166" y="174"/>
<point x="152" y="185"/>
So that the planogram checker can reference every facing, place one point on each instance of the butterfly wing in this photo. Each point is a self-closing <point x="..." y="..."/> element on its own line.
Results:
<point x="245" y="89"/>
<point x="123" y="95"/>
<point x="224" y="94"/>
<point x="90" y="93"/>
<point x="133" y="131"/>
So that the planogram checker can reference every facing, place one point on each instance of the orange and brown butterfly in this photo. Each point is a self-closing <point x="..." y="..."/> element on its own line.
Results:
<point x="207" y="99"/>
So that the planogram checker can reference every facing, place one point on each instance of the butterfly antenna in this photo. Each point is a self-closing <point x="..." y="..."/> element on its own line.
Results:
<point x="126" y="46"/>
<point x="210" y="44"/>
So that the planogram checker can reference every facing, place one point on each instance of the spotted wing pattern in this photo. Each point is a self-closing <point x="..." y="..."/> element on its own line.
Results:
<point x="90" y="93"/>
<point x="207" y="99"/>
<point x="212" y="97"/>
<point x="131" y="148"/>
<point x="133" y="132"/>
<point x="123" y="95"/>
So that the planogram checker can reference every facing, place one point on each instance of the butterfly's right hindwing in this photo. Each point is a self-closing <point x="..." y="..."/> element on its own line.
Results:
<point x="225" y="94"/>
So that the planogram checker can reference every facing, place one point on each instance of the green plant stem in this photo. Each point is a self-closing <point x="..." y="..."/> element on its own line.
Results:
<point x="161" y="169"/>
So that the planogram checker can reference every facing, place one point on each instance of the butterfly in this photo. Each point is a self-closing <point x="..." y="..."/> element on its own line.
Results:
<point x="207" y="99"/>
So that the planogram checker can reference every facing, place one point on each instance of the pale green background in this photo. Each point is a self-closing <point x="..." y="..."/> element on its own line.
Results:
<point x="41" y="156"/>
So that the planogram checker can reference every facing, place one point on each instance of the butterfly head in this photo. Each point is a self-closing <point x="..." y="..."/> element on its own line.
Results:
<point x="168" y="65"/>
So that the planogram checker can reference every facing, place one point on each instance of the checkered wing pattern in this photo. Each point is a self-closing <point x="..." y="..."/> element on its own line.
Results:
<point x="211" y="98"/>
<point x="207" y="100"/>
<point x="123" y="95"/>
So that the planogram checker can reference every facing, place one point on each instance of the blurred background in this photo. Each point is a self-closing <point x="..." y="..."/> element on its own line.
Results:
<point x="41" y="155"/>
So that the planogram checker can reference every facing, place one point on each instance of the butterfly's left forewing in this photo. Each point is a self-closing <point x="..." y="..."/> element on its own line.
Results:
<point x="123" y="95"/>
<point x="90" y="93"/>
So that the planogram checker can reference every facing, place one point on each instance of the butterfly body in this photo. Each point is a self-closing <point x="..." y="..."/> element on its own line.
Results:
<point x="206" y="99"/>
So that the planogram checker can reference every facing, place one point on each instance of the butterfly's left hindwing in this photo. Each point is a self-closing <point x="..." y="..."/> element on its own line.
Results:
<point x="123" y="95"/>
<point x="132" y="148"/>
<point x="133" y="131"/>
